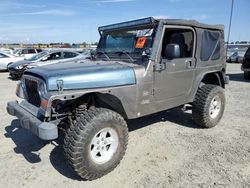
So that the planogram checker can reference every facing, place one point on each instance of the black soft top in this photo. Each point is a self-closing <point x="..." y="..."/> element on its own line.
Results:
<point x="193" y="23"/>
<point x="150" y="21"/>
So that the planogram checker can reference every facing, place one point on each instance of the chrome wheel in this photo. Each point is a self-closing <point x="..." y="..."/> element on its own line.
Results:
<point x="215" y="107"/>
<point x="103" y="145"/>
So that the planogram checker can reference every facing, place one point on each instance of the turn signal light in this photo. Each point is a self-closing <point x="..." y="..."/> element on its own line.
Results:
<point x="44" y="103"/>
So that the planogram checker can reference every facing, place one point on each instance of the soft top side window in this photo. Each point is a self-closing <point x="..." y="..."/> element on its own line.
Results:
<point x="210" y="45"/>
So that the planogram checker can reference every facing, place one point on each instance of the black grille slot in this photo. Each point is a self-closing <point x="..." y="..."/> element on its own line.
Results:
<point x="32" y="92"/>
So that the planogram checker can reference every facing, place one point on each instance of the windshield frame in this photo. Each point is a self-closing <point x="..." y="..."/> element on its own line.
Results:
<point x="137" y="52"/>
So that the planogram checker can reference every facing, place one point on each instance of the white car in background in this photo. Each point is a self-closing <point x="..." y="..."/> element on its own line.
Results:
<point x="7" y="50"/>
<point x="27" y="52"/>
<point x="44" y="58"/>
<point x="7" y="59"/>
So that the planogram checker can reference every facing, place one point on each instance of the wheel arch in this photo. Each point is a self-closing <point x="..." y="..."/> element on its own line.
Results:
<point x="214" y="78"/>
<point x="103" y="100"/>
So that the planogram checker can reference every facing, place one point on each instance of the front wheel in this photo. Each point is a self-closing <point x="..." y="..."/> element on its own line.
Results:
<point x="208" y="106"/>
<point x="96" y="142"/>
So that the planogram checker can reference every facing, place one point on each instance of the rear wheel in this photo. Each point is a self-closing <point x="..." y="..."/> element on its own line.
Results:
<point x="208" y="106"/>
<point x="247" y="75"/>
<point x="96" y="142"/>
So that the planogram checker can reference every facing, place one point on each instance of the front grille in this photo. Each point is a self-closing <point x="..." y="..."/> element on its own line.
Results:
<point x="33" y="96"/>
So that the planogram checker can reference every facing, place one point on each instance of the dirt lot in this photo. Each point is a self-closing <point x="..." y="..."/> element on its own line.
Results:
<point x="165" y="150"/>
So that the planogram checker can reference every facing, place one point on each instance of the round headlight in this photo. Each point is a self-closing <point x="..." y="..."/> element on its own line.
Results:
<point x="19" y="67"/>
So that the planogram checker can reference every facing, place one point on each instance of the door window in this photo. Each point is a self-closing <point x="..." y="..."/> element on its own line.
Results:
<point x="54" y="56"/>
<point x="31" y="51"/>
<point x="70" y="54"/>
<point x="184" y="38"/>
<point x="38" y="50"/>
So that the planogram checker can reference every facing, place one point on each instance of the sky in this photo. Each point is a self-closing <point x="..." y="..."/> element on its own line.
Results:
<point x="75" y="21"/>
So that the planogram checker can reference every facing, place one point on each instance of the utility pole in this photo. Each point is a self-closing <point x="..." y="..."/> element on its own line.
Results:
<point x="230" y="21"/>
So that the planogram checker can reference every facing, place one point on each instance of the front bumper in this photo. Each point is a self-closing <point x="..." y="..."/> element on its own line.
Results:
<point x="44" y="130"/>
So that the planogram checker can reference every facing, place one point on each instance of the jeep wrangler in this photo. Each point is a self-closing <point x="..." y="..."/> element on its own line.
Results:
<point x="139" y="68"/>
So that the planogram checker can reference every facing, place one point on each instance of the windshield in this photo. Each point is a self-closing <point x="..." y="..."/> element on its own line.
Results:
<point x="133" y="41"/>
<point x="37" y="56"/>
<point x="17" y="52"/>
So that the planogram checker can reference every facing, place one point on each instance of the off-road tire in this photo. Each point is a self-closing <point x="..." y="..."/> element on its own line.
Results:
<point x="78" y="138"/>
<point x="202" y="102"/>
<point x="247" y="75"/>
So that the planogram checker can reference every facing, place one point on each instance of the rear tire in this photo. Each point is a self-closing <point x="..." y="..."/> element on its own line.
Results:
<point x="96" y="142"/>
<point x="247" y="75"/>
<point x="208" y="106"/>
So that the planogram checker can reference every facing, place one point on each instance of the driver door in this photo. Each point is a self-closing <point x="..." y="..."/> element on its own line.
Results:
<point x="174" y="82"/>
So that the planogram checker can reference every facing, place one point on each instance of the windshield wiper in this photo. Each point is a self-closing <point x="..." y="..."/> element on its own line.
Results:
<point x="127" y="54"/>
<point x="104" y="53"/>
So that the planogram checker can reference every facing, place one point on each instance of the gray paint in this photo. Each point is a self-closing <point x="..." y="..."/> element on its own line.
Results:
<point x="86" y="75"/>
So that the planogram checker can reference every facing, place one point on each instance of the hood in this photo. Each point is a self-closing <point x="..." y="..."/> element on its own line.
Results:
<point x="18" y="63"/>
<point x="85" y="75"/>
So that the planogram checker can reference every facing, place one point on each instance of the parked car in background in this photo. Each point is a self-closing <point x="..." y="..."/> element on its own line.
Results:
<point x="41" y="59"/>
<point x="236" y="57"/>
<point x="7" y="50"/>
<point x="246" y="64"/>
<point x="87" y="52"/>
<point x="27" y="52"/>
<point x="7" y="59"/>
<point x="229" y="53"/>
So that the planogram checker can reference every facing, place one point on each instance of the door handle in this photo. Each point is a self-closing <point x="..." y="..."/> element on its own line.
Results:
<point x="188" y="63"/>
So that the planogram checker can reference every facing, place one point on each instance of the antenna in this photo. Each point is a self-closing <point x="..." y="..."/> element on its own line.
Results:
<point x="230" y="23"/>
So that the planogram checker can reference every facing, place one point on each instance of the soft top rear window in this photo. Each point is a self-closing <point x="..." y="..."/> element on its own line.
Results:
<point x="210" y="45"/>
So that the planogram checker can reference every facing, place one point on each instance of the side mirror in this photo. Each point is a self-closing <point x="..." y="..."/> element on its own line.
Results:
<point x="44" y="59"/>
<point x="172" y="51"/>
<point x="147" y="52"/>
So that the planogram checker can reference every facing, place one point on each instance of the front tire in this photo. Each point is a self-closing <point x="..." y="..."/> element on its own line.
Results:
<point x="209" y="105"/>
<point x="96" y="142"/>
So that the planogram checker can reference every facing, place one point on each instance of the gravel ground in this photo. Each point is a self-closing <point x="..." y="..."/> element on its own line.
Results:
<point x="165" y="149"/>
